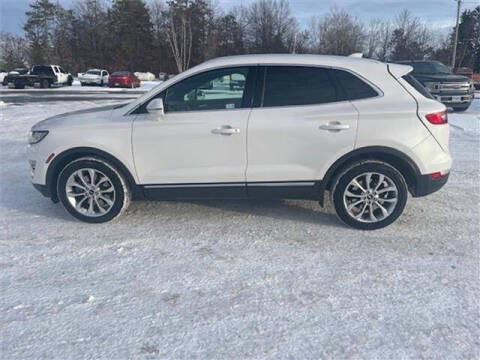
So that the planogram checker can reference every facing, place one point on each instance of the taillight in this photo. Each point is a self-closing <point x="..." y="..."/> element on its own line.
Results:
<point x="439" y="174"/>
<point x="437" y="118"/>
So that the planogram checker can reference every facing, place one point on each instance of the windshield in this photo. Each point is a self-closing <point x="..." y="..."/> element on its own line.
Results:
<point x="93" y="72"/>
<point x="430" y="68"/>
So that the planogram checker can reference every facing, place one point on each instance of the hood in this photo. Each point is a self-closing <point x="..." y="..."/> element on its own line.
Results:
<point x="441" y="78"/>
<point x="86" y="117"/>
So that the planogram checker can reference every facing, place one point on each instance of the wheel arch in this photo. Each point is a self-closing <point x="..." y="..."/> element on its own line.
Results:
<point x="64" y="158"/>
<point x="393" y="157"/>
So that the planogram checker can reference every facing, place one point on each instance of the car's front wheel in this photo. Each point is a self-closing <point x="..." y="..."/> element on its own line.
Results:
<point x="369" y="195"/>
<point x="92" y="190"/>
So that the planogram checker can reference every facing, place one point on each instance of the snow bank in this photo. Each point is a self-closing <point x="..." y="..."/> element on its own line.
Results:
<point x="467" y="121"/>
<point x="145" y="76"/>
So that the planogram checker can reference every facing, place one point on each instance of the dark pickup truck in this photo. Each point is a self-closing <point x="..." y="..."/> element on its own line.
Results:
<point x="15" y="72"/>
<point x="42" y="76"/>
<point x="454" y="91"/>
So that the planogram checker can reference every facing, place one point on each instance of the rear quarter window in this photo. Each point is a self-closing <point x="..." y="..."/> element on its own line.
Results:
<point x="353" y="87"/>
<point x="417" y="86"/>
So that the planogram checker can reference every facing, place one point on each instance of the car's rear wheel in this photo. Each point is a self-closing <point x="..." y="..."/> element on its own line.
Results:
<point x="45" y="84"/>
<point x="369" y="195"/>
<point x="92" y="190"/>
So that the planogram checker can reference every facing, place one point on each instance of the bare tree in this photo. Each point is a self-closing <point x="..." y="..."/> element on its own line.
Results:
<point x="337" y="33"/>
<point x="411" y="39"/>
<point x="269" y="26"/>
<point x="384" y="41"/>
<point x="13" y="51"/>
<point x="373" y="33"/>
<point x="178" y="29"/>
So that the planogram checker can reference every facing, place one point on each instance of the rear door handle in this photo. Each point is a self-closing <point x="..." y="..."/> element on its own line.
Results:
<point x="225" y="130"/>
<point x="334" y="126"/>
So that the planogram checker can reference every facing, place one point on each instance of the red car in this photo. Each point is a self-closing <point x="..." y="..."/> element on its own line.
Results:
<point x="123" y="79"/>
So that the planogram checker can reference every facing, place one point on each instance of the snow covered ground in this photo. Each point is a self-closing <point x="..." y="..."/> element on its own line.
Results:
<point x="144" y="86"/>
<point x="236" y="280"/>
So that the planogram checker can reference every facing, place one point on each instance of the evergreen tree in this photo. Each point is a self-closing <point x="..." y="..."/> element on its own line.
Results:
<point x="130" y="36"/>
<point x="39" y="30"/>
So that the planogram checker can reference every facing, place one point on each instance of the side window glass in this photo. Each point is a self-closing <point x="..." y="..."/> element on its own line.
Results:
<point x="298" y="85"/>
<point x="354" y="87"/>
<point x="212" y="90"/>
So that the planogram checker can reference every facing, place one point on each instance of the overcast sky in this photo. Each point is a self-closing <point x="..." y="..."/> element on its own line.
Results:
<point x="440" y="13"/>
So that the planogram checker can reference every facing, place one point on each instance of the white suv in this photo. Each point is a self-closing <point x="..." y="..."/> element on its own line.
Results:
<point x="256" y="126"/>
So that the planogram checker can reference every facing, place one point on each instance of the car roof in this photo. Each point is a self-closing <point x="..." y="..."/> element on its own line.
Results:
<point x="415" y="61"/>
<point x="290" y="59"/>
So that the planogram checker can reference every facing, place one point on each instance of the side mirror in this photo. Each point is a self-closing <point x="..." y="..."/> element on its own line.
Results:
<point x="155" y="107"/>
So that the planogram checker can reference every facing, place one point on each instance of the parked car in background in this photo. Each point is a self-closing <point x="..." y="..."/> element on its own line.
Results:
<point x="3" y="73"/>
<point x="16" y="71"/>
<point x="144" y="76"/>
<point x="366" y="131"/>
<point x="94" y="77"/>
<point x="124" y="79"/>
<point x="476" y="80"/>
<point x="43" y="76"/>
<point x="465" y="71"/>
<point x="455" y="91"/>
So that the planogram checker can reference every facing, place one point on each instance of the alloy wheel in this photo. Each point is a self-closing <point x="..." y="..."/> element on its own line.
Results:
<point x="90" y="192"/>
<point x="370" y="197"/>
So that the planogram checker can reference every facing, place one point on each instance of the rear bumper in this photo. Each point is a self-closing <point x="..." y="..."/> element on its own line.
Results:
<point x="427" y="185"/>
<point x="42" y="189"/>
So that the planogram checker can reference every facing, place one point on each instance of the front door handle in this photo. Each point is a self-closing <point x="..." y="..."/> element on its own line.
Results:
<point x="225" y="130"/>
<point x="334" y="126"/>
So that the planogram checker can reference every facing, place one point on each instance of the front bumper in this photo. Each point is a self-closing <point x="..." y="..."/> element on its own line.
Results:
<point x="427" y="185"/>
<point x="454" y="99"/>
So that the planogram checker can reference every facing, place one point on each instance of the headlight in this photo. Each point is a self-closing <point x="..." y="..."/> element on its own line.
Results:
<point x="36" y="136"/>
<point x="432" y="85"/>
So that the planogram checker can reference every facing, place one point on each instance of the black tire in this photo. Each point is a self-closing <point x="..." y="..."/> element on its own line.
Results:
<point x="70" y="81"/>
<point x="82" y="84"/>
<point x="344" y="178"/>
<point x="460" y="108"/>
<point x="45" y="84"/>
<point x="121" y="199"/>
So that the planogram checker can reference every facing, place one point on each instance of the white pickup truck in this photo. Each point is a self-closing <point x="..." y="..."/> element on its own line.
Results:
<point x="94" y="77"/>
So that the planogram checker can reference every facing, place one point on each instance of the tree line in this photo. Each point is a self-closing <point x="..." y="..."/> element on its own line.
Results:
<point x="173" y="35"/>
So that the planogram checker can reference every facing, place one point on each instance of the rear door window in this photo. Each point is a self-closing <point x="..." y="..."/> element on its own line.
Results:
<point x="298" y="85"/>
